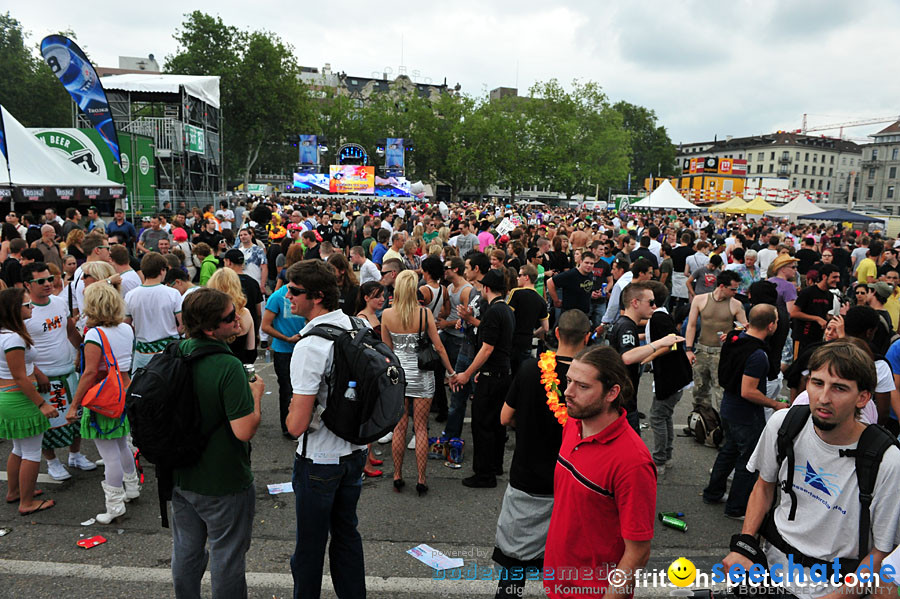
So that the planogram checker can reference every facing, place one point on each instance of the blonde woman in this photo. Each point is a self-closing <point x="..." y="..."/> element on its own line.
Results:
<point x="91" y="273"/>
<point x="401" y="326"/>
<point x="244" y="344"/>
<point x="104" y="309"/>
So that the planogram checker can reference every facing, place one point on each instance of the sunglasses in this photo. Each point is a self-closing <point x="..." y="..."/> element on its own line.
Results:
<point x="27" y="305"/>
<point x="231" y="316"/>
<point x="44" y="280"/>
<point x="295" y="291"/>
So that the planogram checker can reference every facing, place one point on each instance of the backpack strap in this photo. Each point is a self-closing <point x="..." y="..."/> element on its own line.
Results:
<point x="784" y="444"/>
<point x="873" y="443"/>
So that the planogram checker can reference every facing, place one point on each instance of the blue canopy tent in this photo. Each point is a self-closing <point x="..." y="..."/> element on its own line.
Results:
<point x="841" y="216"/>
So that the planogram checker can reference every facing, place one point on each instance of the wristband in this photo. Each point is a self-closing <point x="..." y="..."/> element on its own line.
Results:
<point x="690" y="349"/>
<point x="653" y="347"/>
<point x="748" y="546"/>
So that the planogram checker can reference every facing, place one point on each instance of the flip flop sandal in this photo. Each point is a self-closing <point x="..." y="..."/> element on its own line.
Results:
<point x="40" y="507"/>
<point x="37" y="492"/>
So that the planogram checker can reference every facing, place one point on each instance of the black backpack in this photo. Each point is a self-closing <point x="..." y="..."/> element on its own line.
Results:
<point x="361" y="356"/>
<point x="733" y="358"/>
<point x="870" y="449"/>
<point x="165" y="416"/>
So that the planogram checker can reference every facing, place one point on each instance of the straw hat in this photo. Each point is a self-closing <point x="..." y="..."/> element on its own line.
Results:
<point x="779" y="262"/>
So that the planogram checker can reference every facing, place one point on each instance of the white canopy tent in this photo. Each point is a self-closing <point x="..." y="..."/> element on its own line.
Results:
<point x="205" y="88"/>
<point x="799" y="206"/>
<point x="39" y="173"/>
<point x="665" y="197"/>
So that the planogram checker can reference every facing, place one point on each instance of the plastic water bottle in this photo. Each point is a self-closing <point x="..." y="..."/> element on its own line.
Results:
<point x="268" y="355"/>
<point x="350" y="394"/>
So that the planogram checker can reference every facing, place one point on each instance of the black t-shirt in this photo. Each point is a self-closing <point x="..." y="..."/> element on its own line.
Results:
<point x="815" y="302"/>
<point x="254" y="296"/>
<point x="557" y="261"/>
<point x="538" y="433"/>
<point x="602" y="271"/>
<point x="882" y="270"/>
<point x="496" y="329"/>
<point x="210" y="239"/>
<point x="11" y="272"/>
<point x="679" y="256"/>
<point x="807" y="258"/>
<point x="335" y="238"/>
<point x="576" y="289"/>
<point x="646" y="254"/>
<point x="529" y="309"/>
<point x="272" y="253"/>
<point x="623" y="337"/>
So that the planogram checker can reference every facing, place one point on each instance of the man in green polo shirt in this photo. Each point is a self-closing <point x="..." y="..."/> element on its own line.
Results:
<point x="215" y="498"/>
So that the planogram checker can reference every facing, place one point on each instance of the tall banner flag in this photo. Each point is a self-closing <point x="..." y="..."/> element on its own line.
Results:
<point x="393" y="154"/>
<point x="5" y="152"/>
<point x="74" y="70"/>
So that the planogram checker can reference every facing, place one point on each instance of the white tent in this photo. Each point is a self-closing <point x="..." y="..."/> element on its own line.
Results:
<point x="796" y="207"/>
<point x="39" y="173"/>
<point x="665" y="197"/>
<point x="202" y="87"/>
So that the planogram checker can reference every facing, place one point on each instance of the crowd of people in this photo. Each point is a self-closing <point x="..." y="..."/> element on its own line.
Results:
<point x="547" y="320"/>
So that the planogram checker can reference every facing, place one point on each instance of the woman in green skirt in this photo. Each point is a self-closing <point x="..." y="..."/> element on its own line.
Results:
<point x="23" y="412"/>
<point x="107" y="334"/>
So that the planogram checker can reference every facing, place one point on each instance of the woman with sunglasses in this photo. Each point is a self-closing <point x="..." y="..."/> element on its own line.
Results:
<point x="24" y="415"/>
<point x="104" y="309"/>
<point x="400" y="330"/>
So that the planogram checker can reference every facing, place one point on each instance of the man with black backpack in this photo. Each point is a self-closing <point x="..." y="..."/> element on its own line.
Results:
<point x="743" y="368"/>
<point x="839" y="480"/>
<point x="214" y="498"/>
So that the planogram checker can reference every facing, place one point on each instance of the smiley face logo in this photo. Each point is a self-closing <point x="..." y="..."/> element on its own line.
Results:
<point x="682" y="572"/>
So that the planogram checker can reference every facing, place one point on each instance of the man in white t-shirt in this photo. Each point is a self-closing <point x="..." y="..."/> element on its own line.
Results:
<point x="766" y="256"/>
<point x="336" y="464"/>
<point x="825" y="488"/>
<point x="154" y="311"/>
<point x="96" y="248"/>
<point x="367" y="269"/>
<point x="120" y="261"/>
<point x="225" y="216"/>
<point x="55" y="343"/>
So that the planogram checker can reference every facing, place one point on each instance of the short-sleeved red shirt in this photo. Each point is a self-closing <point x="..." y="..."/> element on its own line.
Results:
<point x="604" y="492"/>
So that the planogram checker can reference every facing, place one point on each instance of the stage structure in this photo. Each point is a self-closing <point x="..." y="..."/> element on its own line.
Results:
<point x="182" y="114"/>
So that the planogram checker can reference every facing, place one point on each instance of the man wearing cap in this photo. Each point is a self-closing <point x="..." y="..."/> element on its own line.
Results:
<point x="149" y="239"/>
<point x="335" y="236"/>
<point x="123" y="228"/>
<point x="879" y="293"/>
<point x="95" y="223"/>
<point x="492" y="366"/>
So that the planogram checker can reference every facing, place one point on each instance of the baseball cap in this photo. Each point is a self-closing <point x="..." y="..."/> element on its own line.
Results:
<point x="234" y="256"/>
<point x="293" y="227"/>
<point x="881" y="289"/>
<point x="145" y="219"/>
<point x="117" y="210"/>
<point x="495" y="281"/>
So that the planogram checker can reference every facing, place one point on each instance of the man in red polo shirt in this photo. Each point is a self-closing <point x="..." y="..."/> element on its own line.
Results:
<point x="604" y="473"/>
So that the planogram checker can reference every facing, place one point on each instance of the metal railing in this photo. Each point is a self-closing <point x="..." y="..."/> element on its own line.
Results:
<point x="167" y="134"/>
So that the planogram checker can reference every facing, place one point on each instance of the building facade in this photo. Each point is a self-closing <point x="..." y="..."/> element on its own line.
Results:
<point x="820" y="167"/>
<point x="360" y="89"/>
<point x="878" y="176"/>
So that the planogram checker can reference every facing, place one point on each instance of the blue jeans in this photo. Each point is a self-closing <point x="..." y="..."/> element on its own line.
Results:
<point x="227" y="523"/>
<point x="326" y="498"/>
<point x="598" y="309"/>
<point x="741" y="438"/>
<point x="460" y="397"/>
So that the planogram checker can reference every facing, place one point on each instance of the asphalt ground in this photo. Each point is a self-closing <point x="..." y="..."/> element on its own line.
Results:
<point x="39" y="557"/>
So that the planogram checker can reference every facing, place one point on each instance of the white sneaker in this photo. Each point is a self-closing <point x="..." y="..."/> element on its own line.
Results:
<point x="412" y="443"/>
<point x="660" y="470"/>
<point x="387" y="438"/>
<point x="77" y="460"/>
<point x="57" y="471"/>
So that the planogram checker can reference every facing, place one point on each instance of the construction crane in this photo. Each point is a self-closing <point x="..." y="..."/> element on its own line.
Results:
<point x="874" y="121"/>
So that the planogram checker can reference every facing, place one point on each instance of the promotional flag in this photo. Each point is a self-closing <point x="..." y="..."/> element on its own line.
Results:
<point x="3" y="140"/>
<point x="78" y="76"/>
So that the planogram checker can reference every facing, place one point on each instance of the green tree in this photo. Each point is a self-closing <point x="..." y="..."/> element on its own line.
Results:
<point x="263" y="99"/>
<point x="29" y="91"/>
<point x="652" y="151"/>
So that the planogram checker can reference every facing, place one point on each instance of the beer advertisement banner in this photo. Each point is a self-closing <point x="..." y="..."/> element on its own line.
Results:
<point x="75" y="72"/>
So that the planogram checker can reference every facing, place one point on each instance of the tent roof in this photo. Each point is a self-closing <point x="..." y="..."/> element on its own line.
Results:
<point x="840" y="215"/>
<point x="735" y="204"/>
<point x="757" y="206"/>
<point x="33" y="164"/>
<point x="796" y="207"/>
<point x="205" y="88"/>
<point x="667" y="197"/>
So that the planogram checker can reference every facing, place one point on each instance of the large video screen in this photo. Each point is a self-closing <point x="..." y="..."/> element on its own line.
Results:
<point x="311" y="182"/>
<point x="352" y="179"/>
<point x="392" y="187"/>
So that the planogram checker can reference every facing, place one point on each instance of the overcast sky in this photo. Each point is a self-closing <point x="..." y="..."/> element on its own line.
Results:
<point x="706" y="68"/>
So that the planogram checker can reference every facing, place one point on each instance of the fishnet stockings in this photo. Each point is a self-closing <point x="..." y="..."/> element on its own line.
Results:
<point x="421" y="408"/>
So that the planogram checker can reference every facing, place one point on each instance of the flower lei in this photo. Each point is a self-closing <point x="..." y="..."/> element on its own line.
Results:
<point x="550" y="380"/>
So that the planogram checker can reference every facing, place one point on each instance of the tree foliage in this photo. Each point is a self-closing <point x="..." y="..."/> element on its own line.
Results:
<point x="29" y="90"/>
<point x="263" y="99"/>
<point x="652" y="149"/>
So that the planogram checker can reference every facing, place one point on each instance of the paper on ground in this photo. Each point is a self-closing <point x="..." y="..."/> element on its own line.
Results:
<point x="277" y="488"/>
<point x="434" y="558"/>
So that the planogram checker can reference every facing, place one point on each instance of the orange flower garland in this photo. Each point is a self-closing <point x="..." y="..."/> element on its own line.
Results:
<point x="550" y="380"/>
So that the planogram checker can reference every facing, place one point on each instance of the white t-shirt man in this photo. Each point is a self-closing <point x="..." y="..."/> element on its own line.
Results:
<point x="369" y="272"/>
<point x="152" y="310"/>
<point x="312" y="357"/>
<point x="226" y="217"/>
<point x="764" y="258"/>
<point x="826" y="524"/>
<point x="130" y="280"/>
<point x="48" y="327"/>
